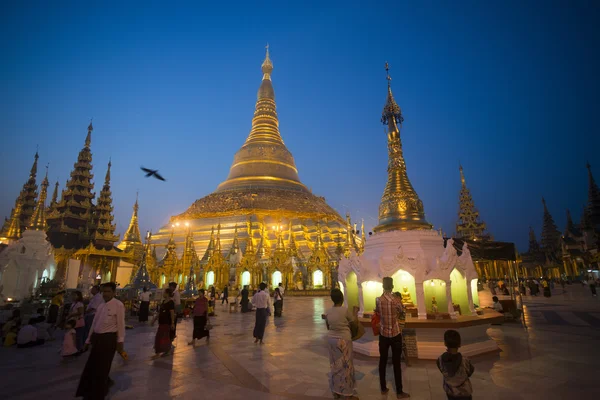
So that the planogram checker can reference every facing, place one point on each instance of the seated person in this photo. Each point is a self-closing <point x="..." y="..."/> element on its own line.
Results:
<point x="43" y="328"/>
<point x="11" y="337"/>
<point x="28" y="336"/>
<point x="497" y="306"/>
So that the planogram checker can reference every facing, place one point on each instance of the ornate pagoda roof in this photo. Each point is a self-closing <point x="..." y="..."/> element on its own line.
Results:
<point x="263" y="177"/>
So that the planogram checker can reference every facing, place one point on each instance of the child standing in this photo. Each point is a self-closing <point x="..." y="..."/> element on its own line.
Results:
<point x="455" y="368"/>
<point x="69" y="348"/>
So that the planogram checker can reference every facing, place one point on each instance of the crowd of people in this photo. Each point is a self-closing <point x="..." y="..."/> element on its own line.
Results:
<point x="101" y="326"/>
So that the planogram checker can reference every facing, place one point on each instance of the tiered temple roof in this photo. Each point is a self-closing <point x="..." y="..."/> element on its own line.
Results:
<point x="469" y="226"/>
<point x="104" y="229"/>
<point x="38" y="220"/>
<point x="71" y="220"/>
<point x="132" y="240"/>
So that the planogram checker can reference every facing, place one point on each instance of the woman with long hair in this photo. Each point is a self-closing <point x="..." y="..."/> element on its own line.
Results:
<point x="166" y="325"/>
<point x="200" y="319"/>
<point x="339" y="344"/>
<point x="76" y="314"/>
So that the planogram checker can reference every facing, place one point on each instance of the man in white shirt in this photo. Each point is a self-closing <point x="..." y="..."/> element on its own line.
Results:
<point x="496" y="305"/>
<point x="262" y="302"/>
<point x="107" y="335"/>
<point x="281" y="288"/>
<point x="95" y="301"/>
<point x="28" y="335"/>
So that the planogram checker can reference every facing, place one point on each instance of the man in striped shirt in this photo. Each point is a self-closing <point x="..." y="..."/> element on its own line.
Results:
<point x="389" y="308"/>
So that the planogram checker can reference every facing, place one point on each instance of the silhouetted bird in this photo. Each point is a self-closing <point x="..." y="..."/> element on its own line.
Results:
<point x="152" y="172"/>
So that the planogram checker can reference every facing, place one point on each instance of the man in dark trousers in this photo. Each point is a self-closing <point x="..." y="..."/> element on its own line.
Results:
<point x="389" y="308"/>
<point x="107" y="335"/>
<point x="225" y="294"/>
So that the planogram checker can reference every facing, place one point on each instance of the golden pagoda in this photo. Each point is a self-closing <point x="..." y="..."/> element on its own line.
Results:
<point x="132" y="240"/>
<point x="20" y="216"/>
<point x="264" y="191"/>
<point x="400" y="208"/>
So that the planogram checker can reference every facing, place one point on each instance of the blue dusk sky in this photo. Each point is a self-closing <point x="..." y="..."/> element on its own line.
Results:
<point x="510" y="89"/>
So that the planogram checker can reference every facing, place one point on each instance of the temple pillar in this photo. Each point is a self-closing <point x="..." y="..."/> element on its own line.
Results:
<point x="575" y="268"/>
<point x="470" y="298"/>
<point x="421" y="307"/>
<point x="449" y="300"/>
<point x="361" y="300"/>
<point x="345" y="296"/>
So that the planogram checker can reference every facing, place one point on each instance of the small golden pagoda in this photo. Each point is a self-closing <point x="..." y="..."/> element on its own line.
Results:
<point x="20" y="216"/>
<point x="469" y="226"/>
<point x="132" y="240"/>
<point x="262" y="191"/>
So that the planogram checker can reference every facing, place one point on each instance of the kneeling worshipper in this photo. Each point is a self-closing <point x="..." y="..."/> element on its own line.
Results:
<point x="28" y="335"/>
<point x="107" y="335"/>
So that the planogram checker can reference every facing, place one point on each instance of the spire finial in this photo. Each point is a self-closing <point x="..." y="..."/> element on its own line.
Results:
<point x="392" y="114"/>
<point x="267" y="65"/>
<point x="387" y="71"/>
<point x="107" y="178"/>
<point x="88" y="138"/>
<point x="462" y="175"/>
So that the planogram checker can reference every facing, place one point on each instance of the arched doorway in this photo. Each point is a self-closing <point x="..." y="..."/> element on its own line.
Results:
<point x="318" y="278"/>
<point x="276" y="279"/>
<point x="435" y="288"/>
<point x="210" y="278"/>
<point x="459" y="291"/>
<point x="245" y="278"/>
<point x="474" y="291"/>
<point x="351" y="290"/>
<point x="404" y="280"/>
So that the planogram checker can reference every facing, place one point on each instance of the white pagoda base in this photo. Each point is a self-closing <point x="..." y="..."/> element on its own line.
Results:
<point x="441" y="285"/>
<point x="24" y="263"/>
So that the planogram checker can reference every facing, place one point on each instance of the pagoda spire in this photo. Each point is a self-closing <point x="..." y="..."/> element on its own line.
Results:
<point x="235" y="246"/>
<point x="319" y="245"/>
<point x="38" y="221"/>
<point x="54" y="195"/>
<point x="70" y="221"/>
<point x="570" y="228"/>
<point x="13" y="231"/>
<point x="292" y="248"/>
<point x="585" y="223"/>
<point x="104" y="234"/>
<point x="534" y="246"/>
<point x="280" y="245"/>
<point x="469" y="226"/>
<point x="210" y="249"/>
<point x="249" y="241"/>
<point x="218" y="241"/>
<point x="264" y="161"/>
<point x="28" y="196"/>
<point x="593" y="206"/>
<point x="132" y="240"/>
<point x="400" y="208"/>
<point x="550" y="238"/>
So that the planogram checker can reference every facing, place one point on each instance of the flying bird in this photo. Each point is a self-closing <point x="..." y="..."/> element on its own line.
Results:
<point x="152" y="172"/>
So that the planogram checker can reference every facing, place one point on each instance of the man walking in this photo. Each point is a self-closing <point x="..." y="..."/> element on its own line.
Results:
<point x="225" y="295"/>
<point x="389" y="308"/>
<point x="262" y="302"/>
<point x="93" y="305"/>
<point x="107" y="335"/>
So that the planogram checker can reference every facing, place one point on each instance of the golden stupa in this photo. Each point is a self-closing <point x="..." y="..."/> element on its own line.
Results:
<point x="261" y="224"/>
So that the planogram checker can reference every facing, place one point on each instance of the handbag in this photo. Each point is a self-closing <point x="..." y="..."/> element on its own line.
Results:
<point x="208" y="325"/>
<point x="356" y="329"/>
<point x="375" y="323"/>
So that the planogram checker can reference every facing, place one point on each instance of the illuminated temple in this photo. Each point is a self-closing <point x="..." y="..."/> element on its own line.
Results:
<point x="261" y="224"/>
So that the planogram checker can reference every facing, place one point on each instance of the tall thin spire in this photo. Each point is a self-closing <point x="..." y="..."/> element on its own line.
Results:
<point x="132" y="235"/>
<point x="38" y="221"/>
<point x="88" y="138"/>
<point x="264" y="161"/>
<point x="469" y="226"/>
<point x="54" y="195"/>
<point x="13" y="231"/>
<point x="400" y="208"/>
<point x="104" y="234"/>
<point x="28" y="196"/>
<point x="550" y="238"/>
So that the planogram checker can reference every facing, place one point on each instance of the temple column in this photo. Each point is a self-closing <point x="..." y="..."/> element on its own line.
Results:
<point x="575" y="268"/>
<point x="361" y="300"/>
<point x="345" y="297"/>
<point x="449" y="299"/>
<point x="421" y="307"/>
<point x="470" y="298"/>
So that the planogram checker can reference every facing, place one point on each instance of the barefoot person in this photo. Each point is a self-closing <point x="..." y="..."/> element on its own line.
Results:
<point x="166" y="325"/>
<point x="262" y="302"/>
<point x="107" y="335"/>
<point x="200" y="318"/>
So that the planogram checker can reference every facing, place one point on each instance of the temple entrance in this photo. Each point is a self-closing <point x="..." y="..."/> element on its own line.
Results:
<point x="435" y="296"/>
<point x="474" y="291"/>
<point x="351" y="286"/>
<point x="459" y="291"/>
<point x="276" y="279"/>
<point x="210" y="278"/>
<point x="318" y="278"/>
<point x="245" y="278"/>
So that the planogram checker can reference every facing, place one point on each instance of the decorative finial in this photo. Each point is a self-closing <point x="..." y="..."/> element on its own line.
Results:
<point x="392" y="114"/>
<point x="267" y="65"/>
<point x="387" y="71"/>
<point x="88" y="138"/>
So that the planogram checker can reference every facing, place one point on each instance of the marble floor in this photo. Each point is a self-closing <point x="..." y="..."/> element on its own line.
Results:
<point x="557" y="356"/>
